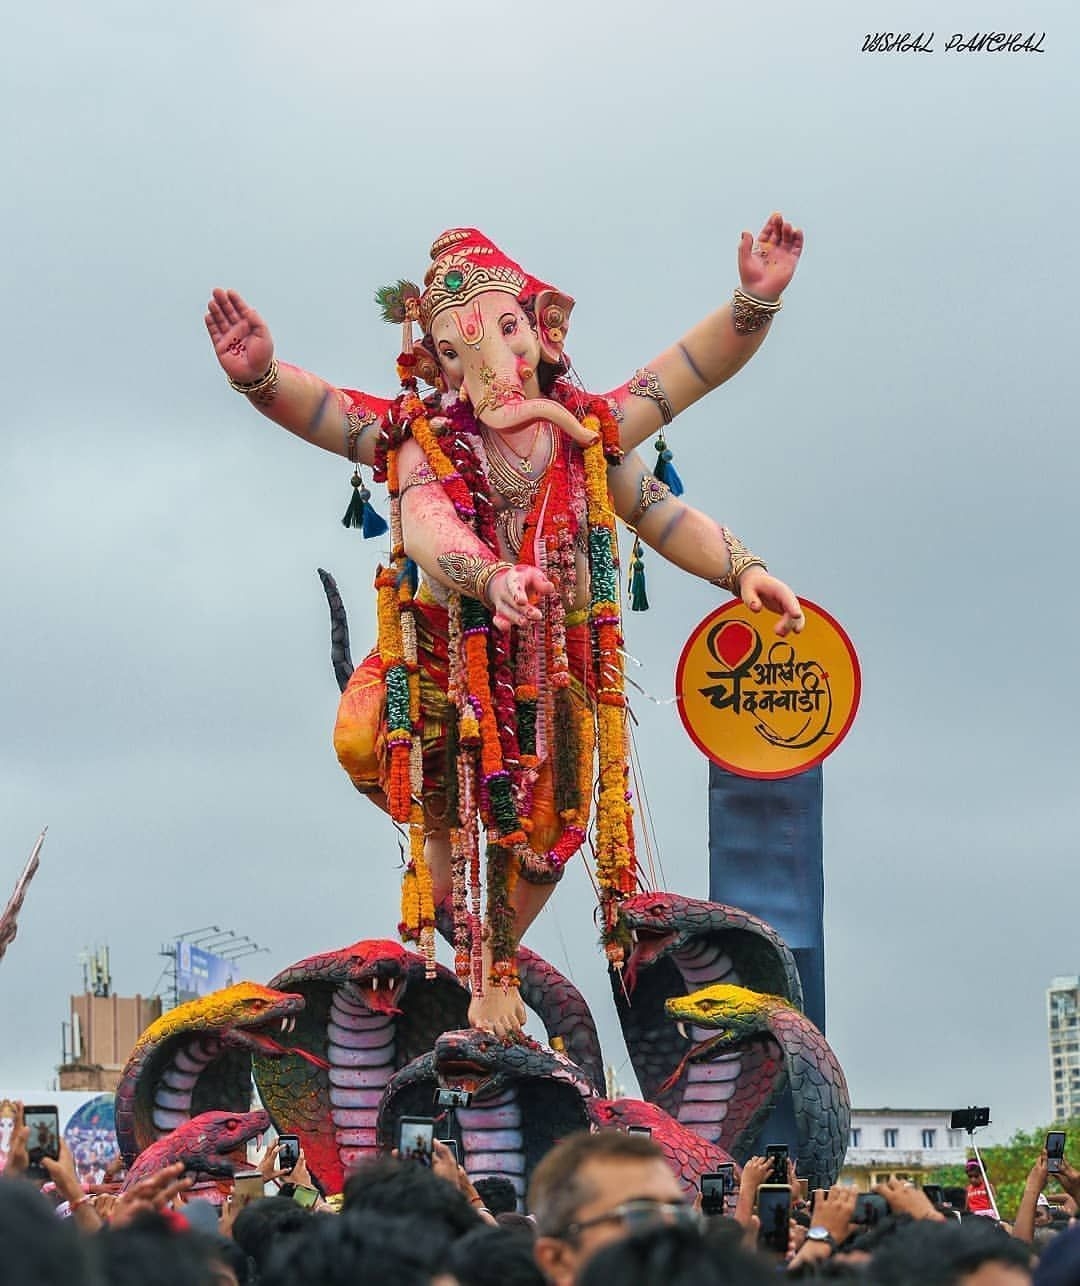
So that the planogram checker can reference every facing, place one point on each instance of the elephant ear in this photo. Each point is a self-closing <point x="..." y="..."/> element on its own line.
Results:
<point x="427" y="367"/>
<point x="552" y="321"/>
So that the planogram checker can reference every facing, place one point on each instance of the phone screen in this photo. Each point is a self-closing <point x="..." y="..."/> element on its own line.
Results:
<point x="288" y="1151"/>
<point x="646" y="1130"/>
<point x="44" y="1140"/>
<point x="714" y="1188"/>
<point x="774" y="1214"/>
<point x="414" y="1138"/>
<point x="452" y="1145"/>
<point x="777" y="1153"/>
<point x="248" y="1188"/>
<point x="870" y="1208"/>
<point x="1055" y="1150"/>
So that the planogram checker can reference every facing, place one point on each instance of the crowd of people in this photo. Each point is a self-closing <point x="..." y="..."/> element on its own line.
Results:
<point x="601" y="1208"/>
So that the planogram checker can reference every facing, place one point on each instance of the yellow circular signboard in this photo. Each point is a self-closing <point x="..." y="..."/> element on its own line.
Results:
<point x="763" y="706"/>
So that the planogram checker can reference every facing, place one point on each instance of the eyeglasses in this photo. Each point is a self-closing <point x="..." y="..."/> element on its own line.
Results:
<point x="643" y="1213"/>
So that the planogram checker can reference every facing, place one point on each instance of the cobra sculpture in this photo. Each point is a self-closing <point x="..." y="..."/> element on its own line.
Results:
<point x="688" y="1154"/>
<point x="368" y="1011"/>
<point x="560" y="1006"/>
<point x="208" y="1144"/>
<point x="523" y="1098"/>
<point x="792" y="1052"/>
<point x="678" y="946"/>
<point x="197" y="1058"/>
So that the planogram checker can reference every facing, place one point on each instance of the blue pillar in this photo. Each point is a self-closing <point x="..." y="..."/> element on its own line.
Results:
<point x="766" y="857"/>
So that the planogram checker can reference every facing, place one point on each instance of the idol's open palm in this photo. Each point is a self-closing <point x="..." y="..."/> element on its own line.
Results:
<point x="767" y="265"/>
<point x="240" y="337"/>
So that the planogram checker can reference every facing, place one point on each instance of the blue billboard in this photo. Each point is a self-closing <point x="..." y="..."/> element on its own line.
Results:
<point x="200" y="972"/>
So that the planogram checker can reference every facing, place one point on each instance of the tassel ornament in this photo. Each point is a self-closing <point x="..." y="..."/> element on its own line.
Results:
<point x="639" y="599"/>
<point x="361" y="513"/>
<point x="665" y="471"/>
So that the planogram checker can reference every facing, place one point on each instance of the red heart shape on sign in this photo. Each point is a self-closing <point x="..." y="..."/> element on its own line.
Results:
<point x="733" y="642"/>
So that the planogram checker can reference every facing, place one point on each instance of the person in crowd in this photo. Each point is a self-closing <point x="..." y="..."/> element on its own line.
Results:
<point x="159" y="1249"/>
<point x="932" y="1253"/>
<point x="980" y="1200"/>
<point x="388" y="1185"/>
<point x="362" y="1246"/>
<point x="1059" y="1262"/>
<point x="673" y="1254"/>
<point x="497" y="1256"/>
<point x="591" y="1189"/>
<point x="36" y="1248"/>
<point x="264" y="1225"/>
<point x="498" y="1193"/>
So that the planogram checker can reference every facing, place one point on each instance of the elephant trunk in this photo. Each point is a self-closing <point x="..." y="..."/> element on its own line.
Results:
<point x="512" y="414"/>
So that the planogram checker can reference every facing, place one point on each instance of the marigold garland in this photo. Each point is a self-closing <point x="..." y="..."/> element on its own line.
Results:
<point x="510" y="705"/>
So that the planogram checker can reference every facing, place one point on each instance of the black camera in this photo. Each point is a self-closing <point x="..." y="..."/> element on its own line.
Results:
<point x="969" y="1118"/>
<point x="453" y="1098"/>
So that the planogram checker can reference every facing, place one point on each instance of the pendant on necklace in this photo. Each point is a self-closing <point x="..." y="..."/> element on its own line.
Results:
<point x="525" y="464"/>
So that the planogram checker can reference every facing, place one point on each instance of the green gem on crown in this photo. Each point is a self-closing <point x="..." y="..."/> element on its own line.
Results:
<point x="454" y="280"/>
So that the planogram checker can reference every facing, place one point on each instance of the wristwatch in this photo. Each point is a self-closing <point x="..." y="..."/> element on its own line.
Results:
<point x="818" y="1233"/>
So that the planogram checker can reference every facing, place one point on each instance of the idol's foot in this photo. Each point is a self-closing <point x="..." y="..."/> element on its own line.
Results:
<point x="498" y="1011"/>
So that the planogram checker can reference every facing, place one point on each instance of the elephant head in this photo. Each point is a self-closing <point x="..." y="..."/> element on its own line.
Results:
<point x="491" y="325"/>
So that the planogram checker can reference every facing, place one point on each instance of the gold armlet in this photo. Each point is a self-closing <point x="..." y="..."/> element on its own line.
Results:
<point x="740" y="558"/>
<point x="750" y="313"/>
<point x="471" y="573"/>
<point x="262" y="390"/>
<point x="652" y="492"/>
<point x="646" y="383"/>
<point x="357" y="422"/>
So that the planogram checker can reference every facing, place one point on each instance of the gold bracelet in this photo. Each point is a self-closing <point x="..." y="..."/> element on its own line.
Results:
<point x="651" y="492"/>
<point x="740" y="558"/>
<point x="263" y="388"/>
<point x="749" y="313"/>
<point x="471" y="573"/>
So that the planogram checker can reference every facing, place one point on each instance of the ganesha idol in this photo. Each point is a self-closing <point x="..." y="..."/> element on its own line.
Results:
<point x="492" y="712"/>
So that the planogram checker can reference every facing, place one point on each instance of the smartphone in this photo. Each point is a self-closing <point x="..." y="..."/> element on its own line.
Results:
<point x="247" y="1187"/>
<point x="415" y="1134"/>
<point x="451" y="1144"/>
<point x="804" y="1190"/>
<point x="870" y="1209"/>
<point x="777" y="1153"/>
<point x="935" y="1193"/>
<point x="43" y="1121"/>
<point x="646" y="1130"/>
<point x="774" y="1215"/>
<point x="288" y="1151"/>
<point x="715" y="1187"/>
<point x="1055" y="1150"/>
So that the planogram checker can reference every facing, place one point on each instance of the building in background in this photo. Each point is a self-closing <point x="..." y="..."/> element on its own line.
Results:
<point x="1062" y="1006"/>
<point x="103" y="1028"/>
<point x="901" y="1143"/>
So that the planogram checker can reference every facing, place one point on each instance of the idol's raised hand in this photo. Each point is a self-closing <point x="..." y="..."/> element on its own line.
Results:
<point x="240" y="337"/>
<point x="767" y="265"/>
<point x="758" y="590"/>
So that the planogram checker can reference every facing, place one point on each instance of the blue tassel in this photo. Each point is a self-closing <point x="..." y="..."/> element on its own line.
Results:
<point x="374" y="524"/>
<point x="409" y="574"/>
<point x="361" y="513"/>
<point x="639" y="600"/>
<point x="665" y="471"/>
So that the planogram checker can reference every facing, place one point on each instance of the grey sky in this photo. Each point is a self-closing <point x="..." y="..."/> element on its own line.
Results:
<point x="902" y="451"/>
